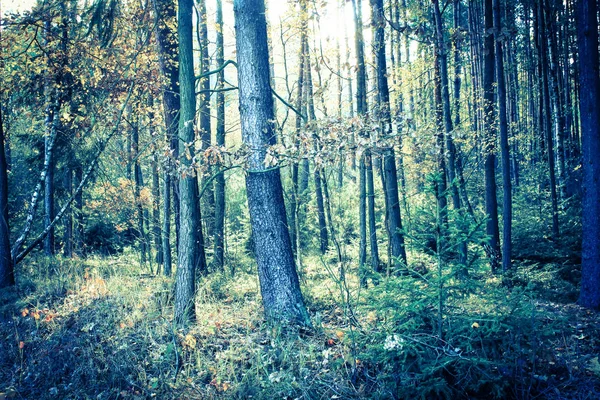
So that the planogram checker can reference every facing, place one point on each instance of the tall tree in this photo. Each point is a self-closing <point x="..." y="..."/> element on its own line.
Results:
<point x="7" y="275"/>
<point x="503" y="125"/>
<point x="323" y="236"/>
<point x="280" y="288"/>
<point x="167" y="43"/>
<point x="219" y="234"/>
<point x="589" y="94"/>
<point x="446" y="128"/>
<point x="51" y="126"/>
<point x="208" y="198"/>
<point x="396" y="236"/>
<point x="189" y="254"/>
<point x="489" y="112"/>
<point x="365" y="167"/>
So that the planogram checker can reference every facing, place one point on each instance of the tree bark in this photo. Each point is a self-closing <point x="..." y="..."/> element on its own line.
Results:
<point x="396" y="237"/>
<point x="547" y="121"/>
<point x="589" y="92"/>
<point x="138" y="184"/>
<point x="190" y="225"/>
<point x="280" y="288"/>
<point x="219" y="233"/>
<point x="208" y="199"/>
<point x="167" y="44"/>
<point x="503" y="125"/>
<point x="489" y="112"/>
<point x="361" y="110"/>
<point x="323" y="236"/>
<point x="7" y="273"/>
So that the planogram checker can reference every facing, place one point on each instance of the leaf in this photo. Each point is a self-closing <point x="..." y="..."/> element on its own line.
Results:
<point x="189" y="341"/>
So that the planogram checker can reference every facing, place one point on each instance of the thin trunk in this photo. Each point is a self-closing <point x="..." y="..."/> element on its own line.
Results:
<point x="156" y="226"/>
<point x="365" y="166"/>
<point x="139" y="183"/>
<point x="68" y="223"/>
<point x="219" y="233"/>
<point x="489" y="112"/>
<point x="548" y="120"/>
<point x="7" y="273"/>
<point x="51" y="127"/>
<point x="395" y="234"/>
<point x="208" y="198"/>
<point x="79" y="225"/>
<point x="503" y="125"/>
<point x="323" y="236"/>
<point x="166" y="39"/>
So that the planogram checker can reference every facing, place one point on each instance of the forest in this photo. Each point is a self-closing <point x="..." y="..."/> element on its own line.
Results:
<point x="309" y="199"/>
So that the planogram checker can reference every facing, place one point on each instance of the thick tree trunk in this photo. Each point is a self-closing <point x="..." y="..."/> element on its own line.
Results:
<point x="280" y="288"/>
<point x="589" y="92"/>
<point x="189" y="238"/>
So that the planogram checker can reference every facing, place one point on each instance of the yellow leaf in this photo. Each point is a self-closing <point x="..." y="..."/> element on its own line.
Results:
<point x="339" y="334"/>
<point x="189" y="341"/>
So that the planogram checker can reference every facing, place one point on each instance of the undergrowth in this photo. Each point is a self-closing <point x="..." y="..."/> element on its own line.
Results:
<point x="102" y="328"/>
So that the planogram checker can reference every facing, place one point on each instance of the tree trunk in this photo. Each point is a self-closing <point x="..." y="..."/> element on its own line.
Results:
<point x="68" y="226"/>
<point x="167" y="40"/>
<point x="208" y="198"/>
<point x="547" y="113"/>
<point x="280" y="288"/>
<point x="396" y="237"/>
<point x="219" y="233"/>
<point x="79" y="226"/>
<point x="190" y="224"/>
<point x="361" y="110"/>
<point x="589" y="92"/>
<point x="323" y="236"/>
<point x="138" y="184"/>
<point x="7" y="273"/>
<point x="503" y="125"/>
<point x="156" y="226"/>
<point x="489" y="112"/>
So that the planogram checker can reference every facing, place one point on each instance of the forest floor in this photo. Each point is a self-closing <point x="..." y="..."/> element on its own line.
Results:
<point x="101" y="328"/>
